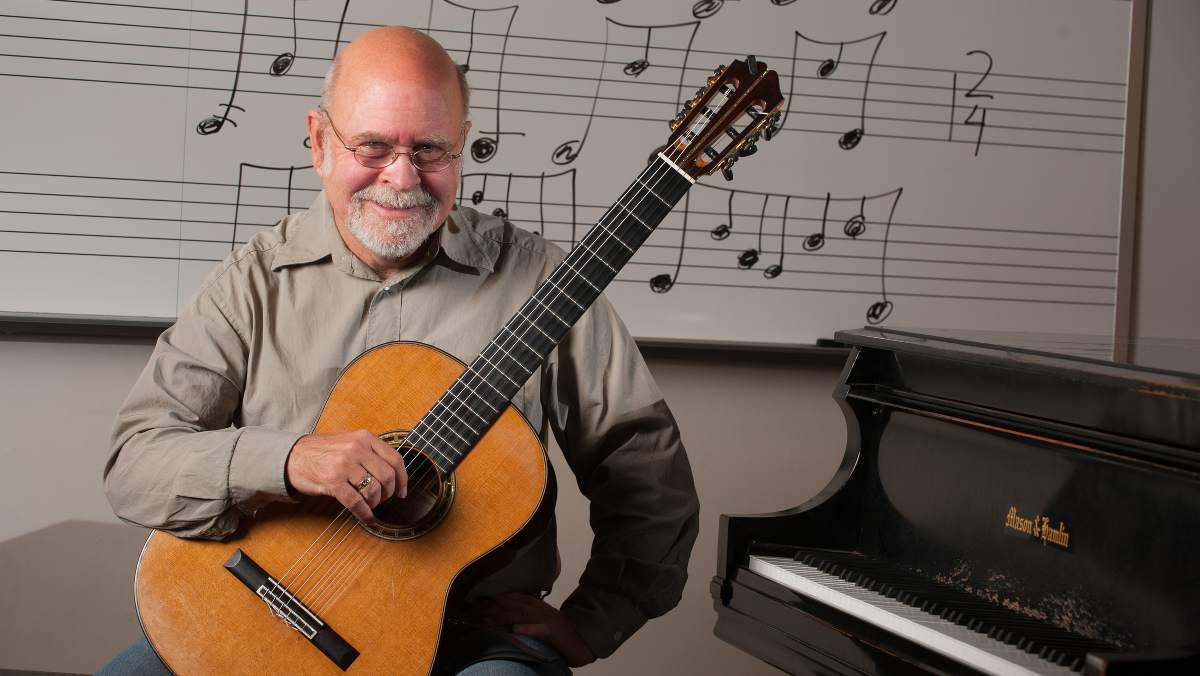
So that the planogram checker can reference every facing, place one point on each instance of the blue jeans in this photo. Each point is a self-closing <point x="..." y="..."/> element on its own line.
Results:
<point x="139" y="659"/>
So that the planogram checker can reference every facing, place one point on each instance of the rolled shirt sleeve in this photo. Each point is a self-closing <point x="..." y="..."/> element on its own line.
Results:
<point x="179" y="461"/>
<point x="624" y="448"/>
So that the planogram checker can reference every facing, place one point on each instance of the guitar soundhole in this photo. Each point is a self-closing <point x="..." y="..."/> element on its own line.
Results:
<point x="428" y="501"/>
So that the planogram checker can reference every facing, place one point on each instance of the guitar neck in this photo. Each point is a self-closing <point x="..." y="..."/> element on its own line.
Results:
<point x="477" y="398"/>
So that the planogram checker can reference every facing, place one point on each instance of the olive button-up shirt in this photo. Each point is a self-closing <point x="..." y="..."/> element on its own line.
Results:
<point x="202" y="440"/>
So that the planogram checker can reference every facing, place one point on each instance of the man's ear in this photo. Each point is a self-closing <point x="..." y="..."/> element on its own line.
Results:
<point x="316" y="141"/>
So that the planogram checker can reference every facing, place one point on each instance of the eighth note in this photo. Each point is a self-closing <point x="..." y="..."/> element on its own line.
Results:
<point x="747" y="259"/>
<point x="856" y="225"/>
<point x="214" y="123"/>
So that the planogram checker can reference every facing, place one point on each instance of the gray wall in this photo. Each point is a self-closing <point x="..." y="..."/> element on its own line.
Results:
<point x="762" y="436"/>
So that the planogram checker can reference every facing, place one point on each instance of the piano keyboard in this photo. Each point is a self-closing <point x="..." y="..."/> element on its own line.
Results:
<point x="955" y="641"/>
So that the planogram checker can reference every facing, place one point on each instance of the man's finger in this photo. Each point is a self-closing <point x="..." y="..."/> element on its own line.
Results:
<point x="384" y="475"/>
<point x="354" y="501"/>
<point x="394" y="459"/>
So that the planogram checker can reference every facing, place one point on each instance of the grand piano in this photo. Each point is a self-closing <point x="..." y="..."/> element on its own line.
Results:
<point x="1006" y="505"/>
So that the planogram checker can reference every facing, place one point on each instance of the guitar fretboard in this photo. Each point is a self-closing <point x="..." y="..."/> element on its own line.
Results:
<point x="477" y="398"/>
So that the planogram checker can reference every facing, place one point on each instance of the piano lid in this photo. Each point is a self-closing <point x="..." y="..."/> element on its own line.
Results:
<point x="1164" y="356"/>
<point x="1146" y="390"/>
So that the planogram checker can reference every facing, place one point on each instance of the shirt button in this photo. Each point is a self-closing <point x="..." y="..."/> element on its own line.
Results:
<point x="616" y="636"/>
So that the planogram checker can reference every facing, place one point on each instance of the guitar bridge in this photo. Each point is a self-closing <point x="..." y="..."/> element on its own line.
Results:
<point x="284" y="605"/>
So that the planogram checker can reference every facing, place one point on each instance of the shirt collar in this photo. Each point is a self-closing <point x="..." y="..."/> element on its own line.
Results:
<point x="315" y="237"/>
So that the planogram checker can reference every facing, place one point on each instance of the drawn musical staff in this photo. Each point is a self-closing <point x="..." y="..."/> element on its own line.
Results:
<point x="568" y="151"/>
<point x="830" y="66"/>
<point x="214" y="123"/>
<point x="542" y="203"/>
<point x="281" y="64"/>
<point x="487" y="144"/>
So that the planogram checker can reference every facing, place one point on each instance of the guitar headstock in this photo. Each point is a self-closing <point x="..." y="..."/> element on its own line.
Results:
<point x="706" y="136"/>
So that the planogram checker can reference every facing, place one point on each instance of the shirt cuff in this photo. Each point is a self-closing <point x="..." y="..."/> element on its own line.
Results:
<point x="602" y="619"/>
<point x="258" y="467"/>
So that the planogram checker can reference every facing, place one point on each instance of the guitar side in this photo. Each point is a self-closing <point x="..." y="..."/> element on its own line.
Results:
<point x="385" y="598"/>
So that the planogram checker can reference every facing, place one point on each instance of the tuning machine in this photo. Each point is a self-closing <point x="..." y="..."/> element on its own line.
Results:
<point x="727" y="167"/>
<point x="773" y="127"/>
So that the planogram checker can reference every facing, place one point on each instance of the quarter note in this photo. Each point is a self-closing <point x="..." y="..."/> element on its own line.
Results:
<point x="723" y="230"/>
<point x="283" y="63"/>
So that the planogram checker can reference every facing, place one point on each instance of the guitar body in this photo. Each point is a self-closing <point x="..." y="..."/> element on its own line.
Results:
<point x="386" y="598"/>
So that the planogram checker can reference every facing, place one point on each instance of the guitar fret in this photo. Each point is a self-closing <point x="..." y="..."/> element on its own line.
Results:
<point x="498" y="369"/>
<point x="457" y="417"/>
<point x="613" y="235"/>
<point x="565" y="323"/>
<point x="528" y="371"/>
<point x="514" y="334"/>
<point x="651" y="191"/>
<point x="564" y="293"/>
<point x="635" y="217"/>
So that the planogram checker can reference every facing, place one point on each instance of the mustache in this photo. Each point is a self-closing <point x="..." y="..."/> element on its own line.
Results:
<point x="395" y="199"/>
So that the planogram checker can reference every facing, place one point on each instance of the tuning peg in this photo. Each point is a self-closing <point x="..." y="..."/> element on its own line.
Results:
<point x="772" y="128"/>
<point x="727" y="172"/>
<point x="752" y="64"/>
<point x="747" y="149"/>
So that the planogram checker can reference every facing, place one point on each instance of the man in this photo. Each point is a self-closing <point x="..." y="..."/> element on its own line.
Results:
<point x="215" y="427"/>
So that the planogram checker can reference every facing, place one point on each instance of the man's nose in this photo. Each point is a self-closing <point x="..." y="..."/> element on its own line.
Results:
<point x="401" y="173"/>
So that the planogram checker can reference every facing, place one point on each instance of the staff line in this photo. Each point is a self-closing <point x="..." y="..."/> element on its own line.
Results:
<point x="581" y="41"/>
<point x="611" y="98"/>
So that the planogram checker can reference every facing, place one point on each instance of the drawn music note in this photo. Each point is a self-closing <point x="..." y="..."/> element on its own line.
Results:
<point x="214" y="123"/>
<point x="663" y="282"/>
<point x="882" y="7"/>
<point x="487" y="144"/>
<point x="749" y="257"/>
<point x="775" y="269"/>
<point x="723" y="230"/>
<point x="816" y="240"/>
<point x="881" y="309"/>
<point x="856" y="225"/>
<point x="846" y="71"/>
<point x="637" y="64"/>
<point x="281" y="64"/>
<point x="257" y="205"/>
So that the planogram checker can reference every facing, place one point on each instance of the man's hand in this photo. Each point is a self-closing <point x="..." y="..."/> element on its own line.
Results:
<point x="334" y="464"/>
<point x="530" y="616"/>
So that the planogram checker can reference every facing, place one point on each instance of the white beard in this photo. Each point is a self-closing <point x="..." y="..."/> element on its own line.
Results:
<point x="392" y="238"/>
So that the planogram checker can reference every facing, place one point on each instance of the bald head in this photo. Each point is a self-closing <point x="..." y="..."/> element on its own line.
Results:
<point x="394" y="50"/>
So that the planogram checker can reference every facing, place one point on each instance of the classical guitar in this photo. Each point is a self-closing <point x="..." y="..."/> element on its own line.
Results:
<point x="306" y="590"/>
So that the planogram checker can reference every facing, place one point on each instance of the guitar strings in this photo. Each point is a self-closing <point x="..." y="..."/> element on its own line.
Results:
<point x="332" y="583"/>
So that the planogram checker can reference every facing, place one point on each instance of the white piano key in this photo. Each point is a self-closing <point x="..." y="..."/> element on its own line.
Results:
<point x="955" y="641"/>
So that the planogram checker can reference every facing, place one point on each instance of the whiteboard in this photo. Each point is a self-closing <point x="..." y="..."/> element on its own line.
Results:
<point x="942" y="163"/>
